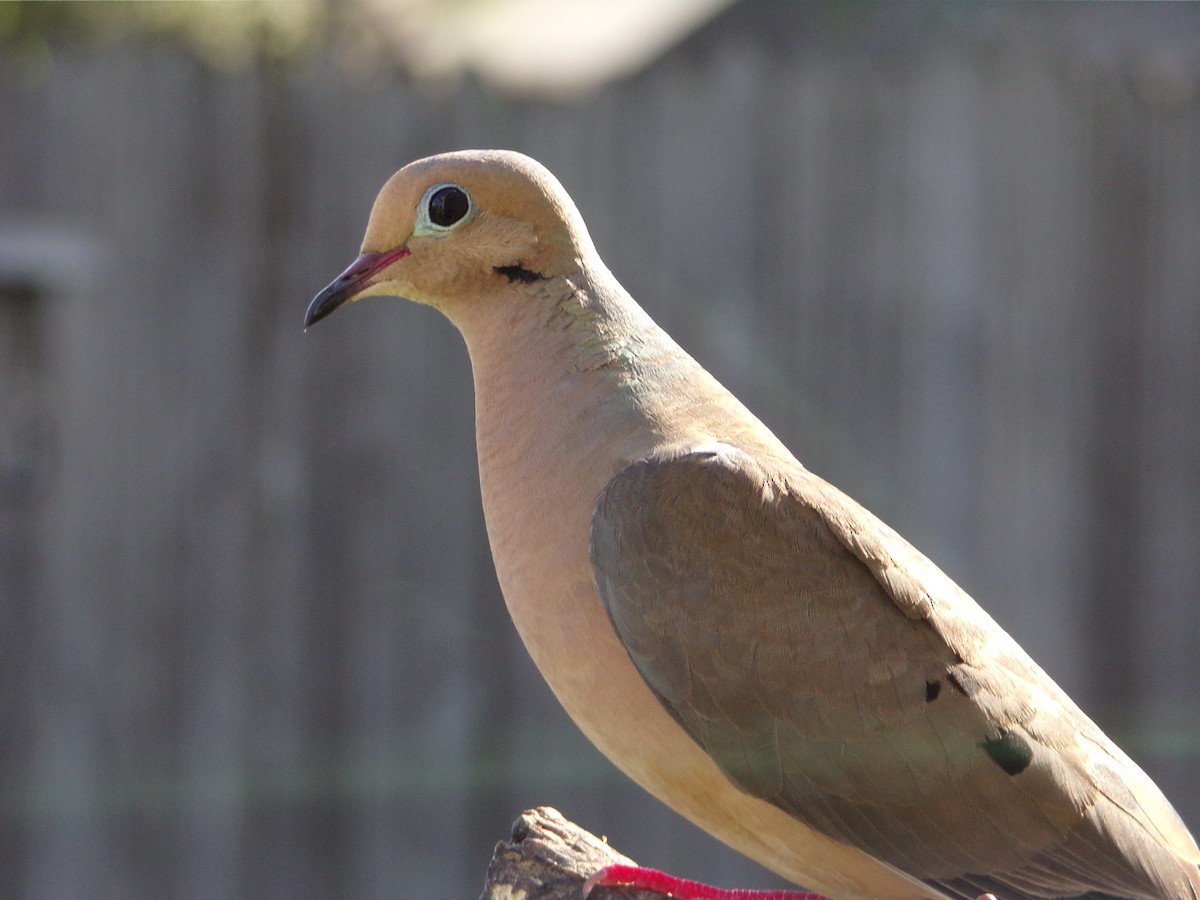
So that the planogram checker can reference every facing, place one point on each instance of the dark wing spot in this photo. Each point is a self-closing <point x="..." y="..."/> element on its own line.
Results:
<point x="932" y="689"/>
<point x="1009" y="751"/>
<point x="518" y="273"/>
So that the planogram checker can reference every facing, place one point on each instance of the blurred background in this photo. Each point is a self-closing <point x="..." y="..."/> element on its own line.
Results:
<point x="251" y="643"/>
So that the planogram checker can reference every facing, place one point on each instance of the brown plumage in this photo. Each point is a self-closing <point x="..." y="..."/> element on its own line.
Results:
<point x="741" y="638"/>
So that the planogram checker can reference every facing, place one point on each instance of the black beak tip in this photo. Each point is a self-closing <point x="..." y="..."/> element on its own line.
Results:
<point x="350" y="283"/>
<point x="322" y="305"/>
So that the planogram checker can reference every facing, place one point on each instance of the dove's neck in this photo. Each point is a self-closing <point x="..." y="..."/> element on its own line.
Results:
<point x="581" y="373"/>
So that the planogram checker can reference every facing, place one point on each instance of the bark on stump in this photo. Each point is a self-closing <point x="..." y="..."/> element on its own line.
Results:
<point x="549" y="858"/>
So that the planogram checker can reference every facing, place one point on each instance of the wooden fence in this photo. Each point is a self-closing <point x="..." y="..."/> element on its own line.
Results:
<point x="250" y="639"/>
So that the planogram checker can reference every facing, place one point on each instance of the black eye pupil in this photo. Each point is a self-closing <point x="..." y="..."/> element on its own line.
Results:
<point x="448" y="205"/>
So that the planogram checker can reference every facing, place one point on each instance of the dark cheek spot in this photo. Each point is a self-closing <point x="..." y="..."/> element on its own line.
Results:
<point x="1009" y="751"/>
<point x="932" y="689"/>
<point x="518" y="273"/>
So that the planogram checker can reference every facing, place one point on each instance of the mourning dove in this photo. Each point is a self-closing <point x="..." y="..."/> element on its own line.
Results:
<point x="745" y="641"/>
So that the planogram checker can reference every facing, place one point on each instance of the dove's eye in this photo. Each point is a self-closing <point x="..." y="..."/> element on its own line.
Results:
<point x="448" y="205"/>
<point x="444" y="207"/>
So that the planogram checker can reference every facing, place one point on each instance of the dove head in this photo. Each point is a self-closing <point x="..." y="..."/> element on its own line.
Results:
<point x="459" y="228"/>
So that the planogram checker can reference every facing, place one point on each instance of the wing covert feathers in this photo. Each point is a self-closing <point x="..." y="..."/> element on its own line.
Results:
<point x="831" y="669"/>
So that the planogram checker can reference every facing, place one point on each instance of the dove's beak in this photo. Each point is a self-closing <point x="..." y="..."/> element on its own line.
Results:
<point x="351" y="283"/>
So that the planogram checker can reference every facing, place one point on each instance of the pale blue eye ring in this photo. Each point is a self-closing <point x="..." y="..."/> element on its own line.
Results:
<point x="443" y="208"/>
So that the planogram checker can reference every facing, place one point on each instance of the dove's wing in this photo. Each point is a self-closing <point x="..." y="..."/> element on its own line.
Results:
<point x="829" y="668"/>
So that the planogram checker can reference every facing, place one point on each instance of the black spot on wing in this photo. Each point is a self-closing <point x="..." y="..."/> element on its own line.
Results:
<point x="1010" y="752"/>
<point x="932" y="689"/>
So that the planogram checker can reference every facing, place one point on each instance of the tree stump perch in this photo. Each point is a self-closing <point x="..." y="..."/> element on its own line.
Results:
<point x="549" y="858"/>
